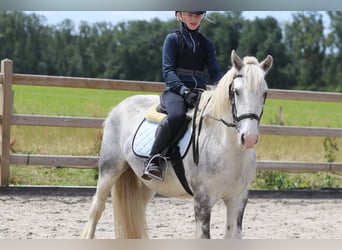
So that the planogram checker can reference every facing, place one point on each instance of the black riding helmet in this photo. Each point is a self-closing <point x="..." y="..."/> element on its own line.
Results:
<point x="192" y="12"/>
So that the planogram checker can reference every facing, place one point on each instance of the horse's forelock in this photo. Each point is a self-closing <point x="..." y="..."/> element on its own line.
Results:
<point x="250" y="60"/>
<point x="254" y="74"/>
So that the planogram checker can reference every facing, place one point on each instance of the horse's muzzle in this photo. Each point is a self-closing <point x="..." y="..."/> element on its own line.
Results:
<point x="248" y="134"/>
<point x="248" y="141"/>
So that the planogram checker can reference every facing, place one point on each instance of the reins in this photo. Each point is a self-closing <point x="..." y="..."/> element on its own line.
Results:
<point x="195" y="148"/>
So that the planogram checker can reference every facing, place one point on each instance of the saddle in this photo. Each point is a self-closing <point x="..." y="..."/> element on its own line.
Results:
<point x="145" y="134"/>
<point x="178" y="148"/>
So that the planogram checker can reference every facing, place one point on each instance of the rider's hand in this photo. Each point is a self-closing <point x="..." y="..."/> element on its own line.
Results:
<point x="189" y="97"/>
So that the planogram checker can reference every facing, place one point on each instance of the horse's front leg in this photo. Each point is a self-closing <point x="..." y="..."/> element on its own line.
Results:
<point x="202" y="216"/>
<point x="235" y="211"/>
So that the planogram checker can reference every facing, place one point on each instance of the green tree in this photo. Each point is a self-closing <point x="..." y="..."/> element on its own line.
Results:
<point x="94" y="44"/>
<point x="303" y="57"/>
<point x="63" y="50"/>
<point x="333" y="62"/>
<point x="139" y="48"/>
<point x="305" y="43"/>
<point x="23" y="39"/>
<point x="262" y="37"/>
<point x="224" y="29"/>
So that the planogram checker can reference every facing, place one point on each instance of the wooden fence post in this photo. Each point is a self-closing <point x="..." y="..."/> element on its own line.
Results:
<point x="5" y="119"/>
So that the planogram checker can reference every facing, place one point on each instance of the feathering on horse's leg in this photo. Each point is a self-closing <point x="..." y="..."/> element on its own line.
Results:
<point x="235" y="212"/>
<point x="104" y="185"/>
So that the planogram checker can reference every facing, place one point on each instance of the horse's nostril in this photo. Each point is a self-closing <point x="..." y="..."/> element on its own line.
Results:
<point x="243" y="139"/>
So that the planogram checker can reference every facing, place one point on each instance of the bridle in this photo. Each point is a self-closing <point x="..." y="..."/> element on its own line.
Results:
<point x="234" y="124"/>
<point x="236" y="118"/>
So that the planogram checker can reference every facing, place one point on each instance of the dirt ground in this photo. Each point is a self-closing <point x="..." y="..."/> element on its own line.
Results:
<point x="64" y="217"/>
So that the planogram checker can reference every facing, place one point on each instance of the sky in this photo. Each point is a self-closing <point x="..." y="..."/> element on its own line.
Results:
<point x="55" y="17"/>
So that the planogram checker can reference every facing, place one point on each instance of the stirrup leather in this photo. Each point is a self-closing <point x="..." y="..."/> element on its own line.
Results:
<point x="162" y="160"/>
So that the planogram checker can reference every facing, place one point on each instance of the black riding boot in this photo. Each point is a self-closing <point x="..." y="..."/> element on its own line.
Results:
<point x="154" y="164"/>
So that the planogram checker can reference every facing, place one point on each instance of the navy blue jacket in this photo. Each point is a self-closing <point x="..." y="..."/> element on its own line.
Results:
<point x="191" y="72"/>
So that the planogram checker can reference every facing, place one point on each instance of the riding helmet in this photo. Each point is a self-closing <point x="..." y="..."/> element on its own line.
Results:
<point x="192" y="12"/>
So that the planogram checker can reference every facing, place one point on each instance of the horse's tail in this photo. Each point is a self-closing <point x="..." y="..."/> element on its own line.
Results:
<point x="130" y="197"/>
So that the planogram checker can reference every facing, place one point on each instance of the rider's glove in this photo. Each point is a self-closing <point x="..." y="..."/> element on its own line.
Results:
<point x="189" y="97"/>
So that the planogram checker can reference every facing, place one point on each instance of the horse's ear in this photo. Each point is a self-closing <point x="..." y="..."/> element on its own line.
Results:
<point x="236" y="60"/>
<point x="267" y="63"/>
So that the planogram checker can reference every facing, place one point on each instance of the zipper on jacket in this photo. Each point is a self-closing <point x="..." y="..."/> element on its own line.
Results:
<point x="195" y="80"/>
<point x="193" y="42"/>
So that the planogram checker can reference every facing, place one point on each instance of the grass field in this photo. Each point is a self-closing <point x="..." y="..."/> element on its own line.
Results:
<point x="97" y="103"/>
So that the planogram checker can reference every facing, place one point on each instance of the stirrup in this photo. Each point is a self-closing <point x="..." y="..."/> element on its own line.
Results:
<point x="162" y="164"/>
<point x="146" y="174"/>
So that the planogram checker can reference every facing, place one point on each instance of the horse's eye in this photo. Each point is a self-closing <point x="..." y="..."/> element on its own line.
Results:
<point x="236" y="92"/>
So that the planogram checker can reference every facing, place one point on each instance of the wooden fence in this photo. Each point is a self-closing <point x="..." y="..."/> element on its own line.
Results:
<point x="7" y="78"/>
